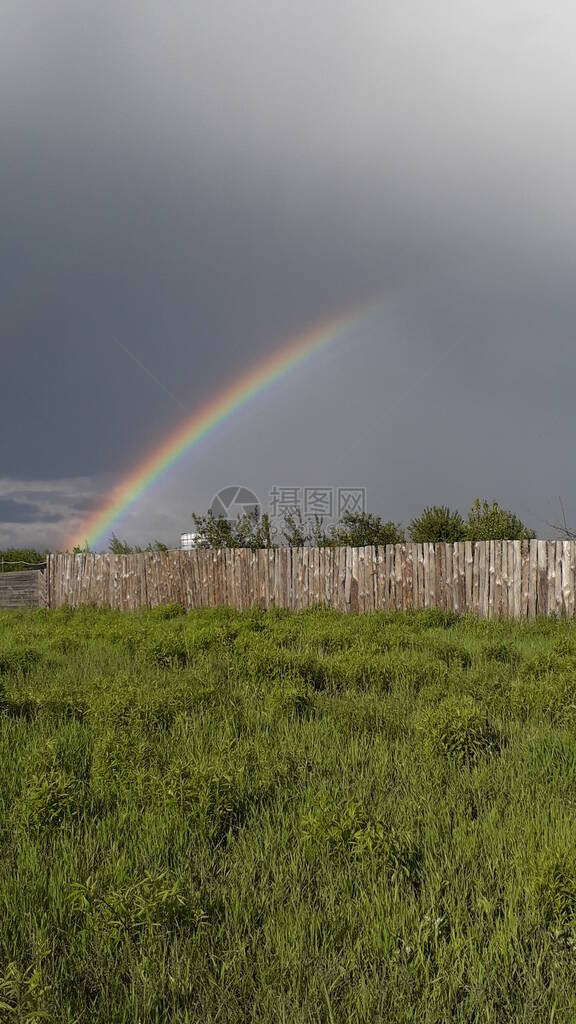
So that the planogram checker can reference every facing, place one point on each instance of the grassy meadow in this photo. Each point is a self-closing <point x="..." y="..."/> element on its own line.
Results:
<point x="286" y="818"/>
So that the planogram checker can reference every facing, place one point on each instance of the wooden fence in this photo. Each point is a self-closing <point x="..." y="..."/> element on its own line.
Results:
<point x="23" y="589"/>
<point x="510" y="579"/>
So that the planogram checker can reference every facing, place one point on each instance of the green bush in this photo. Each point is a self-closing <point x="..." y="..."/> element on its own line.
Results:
<point x="557" y="888"/>
<point x="451" y="654"/>
<point x="18" y="559"/>
<point x="549" y="698"/>
<point x="265" y="662"/>
<point x="437" y="523"/>
<point x="167" y="611"/>
<point x="363" y="530"/>
<point x="170" y="651"/>
<point x="435" y="618"/>
<point x="359" y="670"/>
<point x="350" y="829"/>
<point x="55" y="789"/>
<point x="18" y="660"/>
<point x="219" y="797"/>
<point x="503" y="652"/>
<point x="296" y="699"/>
<point x="492" y="522"/>
<point x="147" y="905"/>
<point x="458" y="728"/>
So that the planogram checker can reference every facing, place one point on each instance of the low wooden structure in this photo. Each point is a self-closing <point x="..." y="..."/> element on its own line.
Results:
<point x="23" y="589"/>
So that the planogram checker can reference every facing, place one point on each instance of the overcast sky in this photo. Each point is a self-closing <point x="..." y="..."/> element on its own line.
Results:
<point x="203" y="180"/>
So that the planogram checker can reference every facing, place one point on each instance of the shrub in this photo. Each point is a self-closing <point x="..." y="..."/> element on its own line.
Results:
<point x="170" y="651"/>
<point x="492" y="522"/>
<point x="167" y="611"/>
<point x="356" y="670"/>
<point x="264" y="661"/>
<point x="503" y="652"/>
<point x="51" y="797"/>
<point x="395" y="847"/>
<point x="296" y="700"/>
<point x="436" y="524"/>
<point x="557" y="889"/>
<point x="545" y="663"/>
<point x="19" y="660"/>
<point x="312" y="671"/>
<point x="350" y="829"/>
<point x="435" y="618"/>
<point x="56" y="788"/>
<point x="364" y="529"/>
<point x="458" y="728"/>
<point x="151" y="903"/>
<point x="552" y="697"/>
<point x="451" y="653"/>
<point x="16" y="559"/>
<point x="218" y="797"/>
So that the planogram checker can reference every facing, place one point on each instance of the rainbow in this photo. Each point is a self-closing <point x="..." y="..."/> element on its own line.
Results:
<point x="211" y="414"/>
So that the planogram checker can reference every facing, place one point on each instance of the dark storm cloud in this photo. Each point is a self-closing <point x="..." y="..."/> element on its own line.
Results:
<point x="203" y="180"/>
<point x="38" y="513"/>
<point x="24" y="512"/>
<point x="69" y="502"/>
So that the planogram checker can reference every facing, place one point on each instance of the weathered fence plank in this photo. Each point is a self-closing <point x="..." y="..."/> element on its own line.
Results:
<point x="568" y="580"/>
<point x="542" y="578"/>
<point x="507" y="579"/>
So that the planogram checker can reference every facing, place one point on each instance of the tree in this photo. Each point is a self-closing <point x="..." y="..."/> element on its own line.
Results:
<point x="436" y="524"/>
<point x="318" y="536"/>
<point x="357" y="530"/>
<point x="492" y="522"/>
<point x="263" y="533"/>
<point x="121" y="547"/>
<point x="562" y="527"/>
<point x="246" y="531"/>
<point x="298" y="532"/>
<point x="213" y="531"/>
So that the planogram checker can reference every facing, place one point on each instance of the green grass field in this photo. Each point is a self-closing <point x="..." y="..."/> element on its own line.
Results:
<point x="288" y="818"/>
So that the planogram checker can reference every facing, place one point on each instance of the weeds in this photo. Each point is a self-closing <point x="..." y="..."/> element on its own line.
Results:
<point x="458" y="728"/>
<point x="309" y="818"/>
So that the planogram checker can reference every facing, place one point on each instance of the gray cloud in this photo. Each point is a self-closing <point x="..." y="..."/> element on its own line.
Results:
<point x="204" y="180"/>
<point x="12" y="511"/>
<point x="37" y="512"/>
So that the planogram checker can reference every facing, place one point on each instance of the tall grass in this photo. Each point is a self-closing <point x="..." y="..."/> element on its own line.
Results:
<point x="266" y="817"/>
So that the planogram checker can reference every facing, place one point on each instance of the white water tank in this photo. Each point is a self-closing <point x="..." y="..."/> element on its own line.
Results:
<point x="188" y="541"/>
